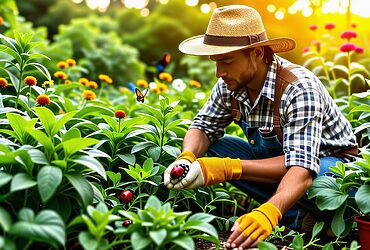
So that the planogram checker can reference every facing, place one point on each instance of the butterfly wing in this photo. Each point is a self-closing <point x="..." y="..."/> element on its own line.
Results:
<point x="139" y="95"/>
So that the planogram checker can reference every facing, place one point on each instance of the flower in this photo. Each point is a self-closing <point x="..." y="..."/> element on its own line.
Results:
<point x="1" y="20"/>
<point x="124" y="90"/>
<point x="67" y="82"/>
<point x="43" y="100"/>
<point x="329" y="26"/>
<point x="30" y="80"/>
<point x="3" y="83"/>
<point x="83" y="80"/>
<point x="47" y="84"/>
<point x="162" y="87"/>
<point x="313" y="27"/>
<point x="62" y="65"/>
<point x="105" y="78"/>
<point x="89" y="95"/>
<point x="347" y="47"/>
<point x="179" y="85"/>
<point x="71" y="62"/>
<point x="61" y="75"/>
<point x="155" y="90"/>
<point x="195" y="83"/>
<point x="200" y="95"/>
<point x="306" y="49"/>
<point x="142" y="83"/>
<point x="165" y="77"/>
<point x="359" y="50"/>
<point x="348" y="35"/>
<point x="120" y="114"/>
<point x="92" y="84"/>
<point x="353" y="25"/>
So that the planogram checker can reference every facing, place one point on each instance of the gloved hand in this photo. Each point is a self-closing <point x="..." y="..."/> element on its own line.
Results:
<point x="207" y="171"/>
<point x="256" y="225"/>
<point x="186" y="158"/>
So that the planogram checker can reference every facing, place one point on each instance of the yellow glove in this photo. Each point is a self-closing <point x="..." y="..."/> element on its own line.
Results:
<point x="187" y="155"/>
<point x="216" y="170"/>
<point x="259" y="223"/>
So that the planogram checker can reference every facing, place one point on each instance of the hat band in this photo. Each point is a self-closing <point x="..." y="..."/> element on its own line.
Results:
<point x="234" y="40"/>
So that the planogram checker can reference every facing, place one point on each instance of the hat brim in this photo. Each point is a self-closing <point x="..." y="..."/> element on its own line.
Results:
<point x="195" y="46"/>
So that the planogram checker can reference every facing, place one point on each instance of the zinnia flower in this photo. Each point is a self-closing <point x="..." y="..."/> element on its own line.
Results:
<point x="89" y="95"/>
<point x="71" y="62"/>
<point x="62" y="65"/>
<point x="67" y="82"/>
<point x="195" y="83"/>
<point x="120" y="114"/>
<point x="155" y="90"/>
<point x="348" y="35"/>
<point x="83" y="81"/>
<point x="47" y="84"/>
<point x="1" y="20"/>
<point x="165" y="77"/>
<point x="329" y="26"/>
<point x="313" y="27"/>
<point x="105" y="78"/>
<point x="3" y="83"/>
<point x="61" y="75"/>
<point x="142" y="84"/>
<point x="43" y="100"/>
<point x="162" y="87"/>
<point x="347" y="47"/>
<point x="30" y="81"/>
<point x="359" y="50"/>
<point x="92" y="84"/>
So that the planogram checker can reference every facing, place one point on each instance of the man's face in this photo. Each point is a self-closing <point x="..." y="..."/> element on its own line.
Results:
<point x="237" y="69"/>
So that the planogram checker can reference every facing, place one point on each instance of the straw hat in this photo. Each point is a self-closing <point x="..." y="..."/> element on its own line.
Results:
<point x="232" y="28"/>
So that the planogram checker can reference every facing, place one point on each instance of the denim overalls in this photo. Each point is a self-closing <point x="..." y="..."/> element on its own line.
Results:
<point x="261" y="145"/>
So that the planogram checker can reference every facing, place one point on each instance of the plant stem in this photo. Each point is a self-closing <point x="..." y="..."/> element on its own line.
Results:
<point x="19" y="87"/>
<point x="101" y="90"/>
<point x="141" y="203"/>
<point x="349" y="74"/>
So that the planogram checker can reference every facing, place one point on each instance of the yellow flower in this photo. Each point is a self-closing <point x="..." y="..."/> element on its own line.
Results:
<point x="67" y="82"/>
<point x="142" y="84"/>
<point x="195" y="83"/>
<point x="162" y="87"/>
<point x="47" y="84"/>
<point x="83" y="81"/>
<point x="62" y="65"/>
<point x="3" y="83"/>
<point x="105" y="78"/>
<point x="164" y="76"/>
<point x="92" y="84"/>
<point x="156" y="90"/>
<point x="89" y="95"/>
<point x="124" y="90"/>
<point x="71" y="62"/>
<point x="61" y="75"/>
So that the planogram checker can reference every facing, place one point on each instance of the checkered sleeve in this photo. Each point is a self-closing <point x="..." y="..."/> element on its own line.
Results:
<point x="215" y="114"/>
<point x="302" y="132"/>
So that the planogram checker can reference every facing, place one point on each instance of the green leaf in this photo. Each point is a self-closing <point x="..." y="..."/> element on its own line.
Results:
<point x="206" y="218"/>
<point x="184" y="241"/>
<point x="317" y="228"/>
<point x="154" y="153"/>
<point x="42" y="138"/>
<point x="297" y="242"/>
<point x="361" y="108"/>
<point x="63" y="120"/>
<point x="94" y="110"/>
<point x="322" y="183"/>
<point x="5" y="219"/>
<point x="154" y="202"/>
<point x="111" y="122"/>
<point x="71" y="134"/>
<point x="91" y="163"/>
<point x="19" y="125"/>
<point x="173" y="151"/>
<point x="362" y="198"/>
<point x="142" y="145"/>
<point x="114" y="177"/>
<point x="138" y="241"/>
<point x="263" y="245"/>
<point x="87" y="240"/>
<point x="202" y="227"/>
<point x="158" y="236"/>
<point x="4" y="178"/>
<point x="47" y="119"/>
<point x="82" y="187"/>
<point x="21" y="181"/>
<point x="48" y="180"/>
<point x="128" y="158"/>
<point x="330" y="199"/>
<point x="46" y="227"/>
<point x="338" y="224"/>
<point x="73" y="145"/>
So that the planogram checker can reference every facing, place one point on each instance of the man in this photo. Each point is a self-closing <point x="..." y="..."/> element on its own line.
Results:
<point x="294" y="129"/>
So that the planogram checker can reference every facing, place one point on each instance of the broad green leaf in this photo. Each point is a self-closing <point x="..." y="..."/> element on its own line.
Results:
<point x="114" y="177"/>
<point x="82" y="187"/>
<point x="21" y="181"/>
<point x="148" y="165"/>
<point x="321" y="183"/>
<point x="201" y="226"/>
<point x="158" y="236"/>
<point x="330" y="199"/>
<point x="184" y="241"/>
<point x="317" y="228"/>
<point x="173" y="151"/>
<point x="41" y="68"/>
<point x="154" y="202"/>
<point x="71" y="134"/>
<point x="111" y="122"/>
<point x="42" y="138"/>
<point x="87" y="240"/>
<point x="47" y="119"/>
<point x="297" y="242"/>
<point x="362" y="198"/>
<point x="154" y="153"/>
<point x="37" y="156"/>
<point x="4" y="178"/>
<point x="63" y="120"/>
<point x="142" y="145"/>
<point x="73" y="145"/>
<point x="46" y="227"/>
<point x="263" y="245"/>
<point x="338" y="225"/>
<point x="19" y="125"/>
<point x="5" y="220"/>
<point x="48" y="180"/>
<point x="361" y="108"/>
<point x="91" y="163"/>
<point x="128" y="158"/>
<point x="139" y="241"/>
<point x="94" y="110"/>
<point x="201" y="217"/>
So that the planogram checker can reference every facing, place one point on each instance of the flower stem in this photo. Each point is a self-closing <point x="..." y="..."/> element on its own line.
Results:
<point x="19" y="88"/>
<point x="101" y="90"/>
<point x="349" y="74"/>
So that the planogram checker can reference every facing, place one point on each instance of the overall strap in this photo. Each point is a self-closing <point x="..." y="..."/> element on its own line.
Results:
<point x="283" y="78"/>
<point x="235" y="110"/>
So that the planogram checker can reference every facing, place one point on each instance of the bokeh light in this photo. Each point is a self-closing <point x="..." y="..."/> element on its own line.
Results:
<point x="192" y="2"/>
<point x="271" y="8"/>
<point x="205" y="8"/>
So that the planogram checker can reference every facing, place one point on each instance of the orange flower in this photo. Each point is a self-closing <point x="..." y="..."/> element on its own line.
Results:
<point x="120" y="114"/>
<point x="164" y="76"/>
<point x="62" y="65"/>
<point x="1" y="20"/>
<point x="47" y="84"/>
<point x="155" y="90"/>
<point x="106" y="79"/>
<point x="83" y="81"/>
<point x="3" y="83"/>
<point x="89" y="95"/>
<point x="67" y="82"/>
<point x="61" y="75"/>
<point x="162" y="87"/>
<point x="92" y="84"/>
<point x="142" y="84"/>
<point x="30" y="80"/>
<point x="71" y="62"/>
<point x="43" y="100"/>
<point x="195" y="83"/>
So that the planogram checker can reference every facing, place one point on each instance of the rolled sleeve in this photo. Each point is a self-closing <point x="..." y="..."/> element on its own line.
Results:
<point x="302" y="132"/>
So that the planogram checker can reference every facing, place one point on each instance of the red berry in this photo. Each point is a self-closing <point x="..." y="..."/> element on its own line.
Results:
<point x="179" y="171"/>
<point x="126" y="196"/>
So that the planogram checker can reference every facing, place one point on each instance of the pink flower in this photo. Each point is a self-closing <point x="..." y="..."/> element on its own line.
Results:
<point x="306" y="49"/>
<point x="347" y="47"/>
<point x="359" y="50"/>
<point x="348" y="35"/>
<point x="313" y="27"/>
<point x="329" y="26"/>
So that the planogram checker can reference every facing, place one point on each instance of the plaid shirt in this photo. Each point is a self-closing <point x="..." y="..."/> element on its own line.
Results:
<point x="313" y="125"/>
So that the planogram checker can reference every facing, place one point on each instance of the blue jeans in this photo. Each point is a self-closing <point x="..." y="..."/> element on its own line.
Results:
<point x="261" y="145"/>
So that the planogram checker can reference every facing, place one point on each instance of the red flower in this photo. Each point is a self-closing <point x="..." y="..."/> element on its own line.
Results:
<point x="329" y="26"/>
<point x="30" y="80"/>
<point x="43" y="100"/>
<point x="306" y="49"/>
<point x="3" y="83"/>
<point x="359" y="50"/>
<point x="1" y="20"/>
<point x="348" y="35"/>
<point x="313" y="27"/>
<point x="120" y="114"/>
<point x="347" y="47"/>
